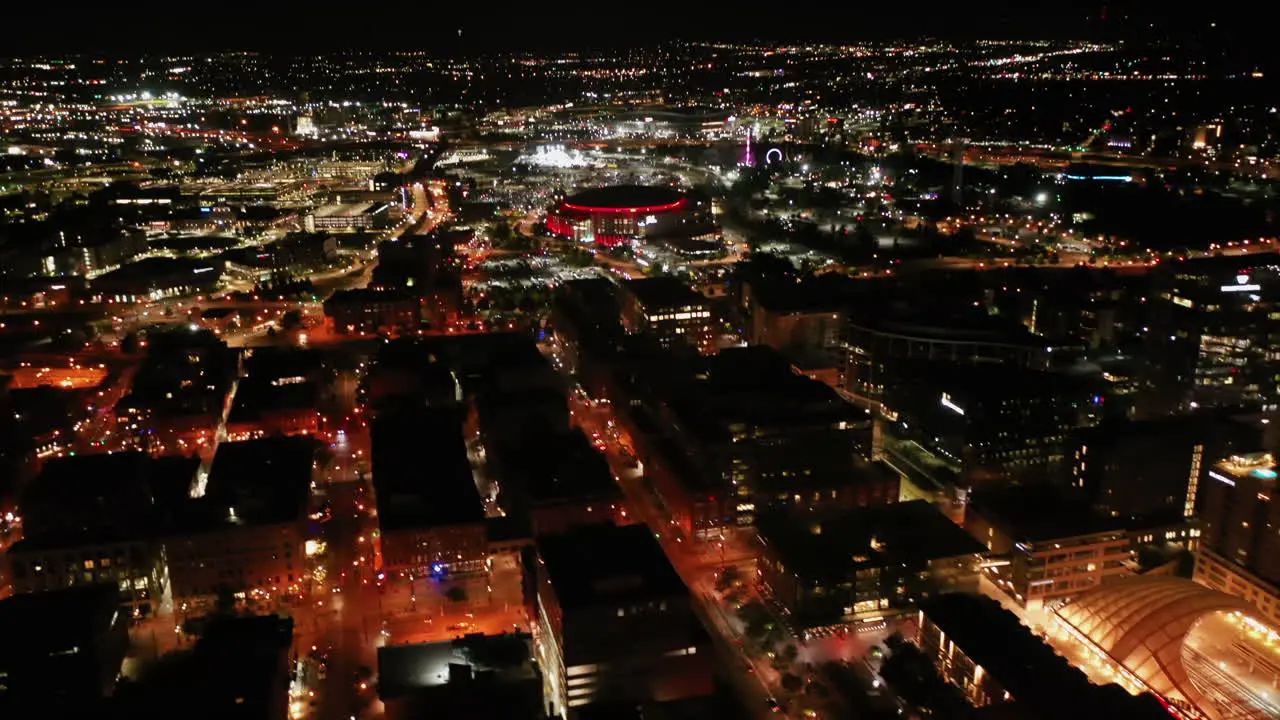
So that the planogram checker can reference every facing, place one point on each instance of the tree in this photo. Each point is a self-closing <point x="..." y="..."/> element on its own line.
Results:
<point x="790" y="652"/>
<point x="895" y="641"/>
<point x="863" y="237"/>
<point x="965" y="237"/>
<point x="792" y="682"/>
<point x="225" y="600"/>
<point x="728" y="578"/>
<point x="291" y="320"/>
<point x="324" y="453"/>
<point x="755" y="617"/>
<point x="501" y="234"/>
<point x="456" y="593"/>
<point x="913" y="676"/>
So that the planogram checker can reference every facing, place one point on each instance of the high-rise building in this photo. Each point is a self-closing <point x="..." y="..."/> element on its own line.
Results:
<point x="1214" y="335"/>
<point x="985" y="423"/>
<point x="1241" y="521"/>
<point x="1153" y="468"/>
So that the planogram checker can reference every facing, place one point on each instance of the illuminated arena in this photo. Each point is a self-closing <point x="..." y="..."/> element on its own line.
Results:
<point x="1199" y="649"/>
<point x="622" y="214"/>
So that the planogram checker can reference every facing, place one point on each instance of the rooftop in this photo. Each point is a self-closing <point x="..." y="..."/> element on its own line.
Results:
<point x="664" y="292"/>
<point x="754" y="387"/>
<point x="951" y="324"/>
<point x="606" y="564"/>
<point x="1034" y="513"/>
<point x="587" y="305"/>
<point x="345" y="209"/>
<point x="100" y="496"/>
<point x="561" y="468"/>
<point x="830" y="545"/>
<point x="1260" y="465"/>
<point x="404" y="668"/>
<point x="625" y="197"/>
<point x="283" y="362"/>
<point x="1220" y="264"/>
<point x="42" y="625"/>
<point x="421" y="472"/>
<point x="238" y="670"/>
<point x="1023" y="664"/>
<point x="257" y="395"/>
<point x="137" y="274"/>
<point x="369" y="295"/>
<point x="1143" y="622"/>
<point x="261" y="481"/>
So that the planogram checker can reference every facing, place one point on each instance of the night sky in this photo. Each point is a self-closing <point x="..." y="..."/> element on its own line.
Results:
<point x="147" y="27"/>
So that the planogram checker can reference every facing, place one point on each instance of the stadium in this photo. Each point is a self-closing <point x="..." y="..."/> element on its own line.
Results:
<point x="622" y="214"/>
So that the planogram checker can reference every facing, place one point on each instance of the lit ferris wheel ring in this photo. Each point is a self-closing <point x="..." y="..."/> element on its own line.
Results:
<point x="769" y="156"/>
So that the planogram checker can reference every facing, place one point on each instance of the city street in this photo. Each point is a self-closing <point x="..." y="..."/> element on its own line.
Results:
<point x="698" y="563"/>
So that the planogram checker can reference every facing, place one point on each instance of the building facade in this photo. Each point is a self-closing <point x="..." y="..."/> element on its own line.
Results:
<point x="1214" y="328"/>
<point x="371" y="311"/>
<point x="615" y="622"/>
<point x="862" y="565"/>
<point x="668" y="310"/>
<point x="137" y="567"/>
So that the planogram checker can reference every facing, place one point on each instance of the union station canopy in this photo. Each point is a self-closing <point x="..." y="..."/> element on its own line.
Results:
<point x="1142" y="623"/>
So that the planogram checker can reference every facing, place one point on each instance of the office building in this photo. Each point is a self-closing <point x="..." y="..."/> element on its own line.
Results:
<point x="987" y="424"/>
<point x="239" y="669"/>
<point x="1241" y="522"/>
<point x="802" y="322"/>
<point x="246" y="533"/>
<point x="1238" y="550"/>
<point x="615" y="622"/>
<point x="430" y="515"/>
<point x="585" y="319"/>
<point x="1153" y="468"/>
<point x="94" y="519"/>
<point x="668" y="310"/>
<point x="752" y="427"/>
<point x="1213" y="329"/>
<point x="864" y="564"/>
<point x="967" y="336"/>
<point x="1057" y="547"/>
<point x="997" y="662"/>
<point x="370" y="311"/>
<point x="557" y="481"/>
<point x="62" y="651"/>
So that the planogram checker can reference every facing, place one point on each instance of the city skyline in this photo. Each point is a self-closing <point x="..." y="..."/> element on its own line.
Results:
<point x="566" y="363"/>
<point x="151" y="28"/>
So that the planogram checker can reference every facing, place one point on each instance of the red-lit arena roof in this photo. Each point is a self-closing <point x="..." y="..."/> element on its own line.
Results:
<point x="626" y="199"/>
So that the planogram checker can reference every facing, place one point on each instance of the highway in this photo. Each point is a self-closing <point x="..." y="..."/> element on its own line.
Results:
<point x="1057" y="160"/>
